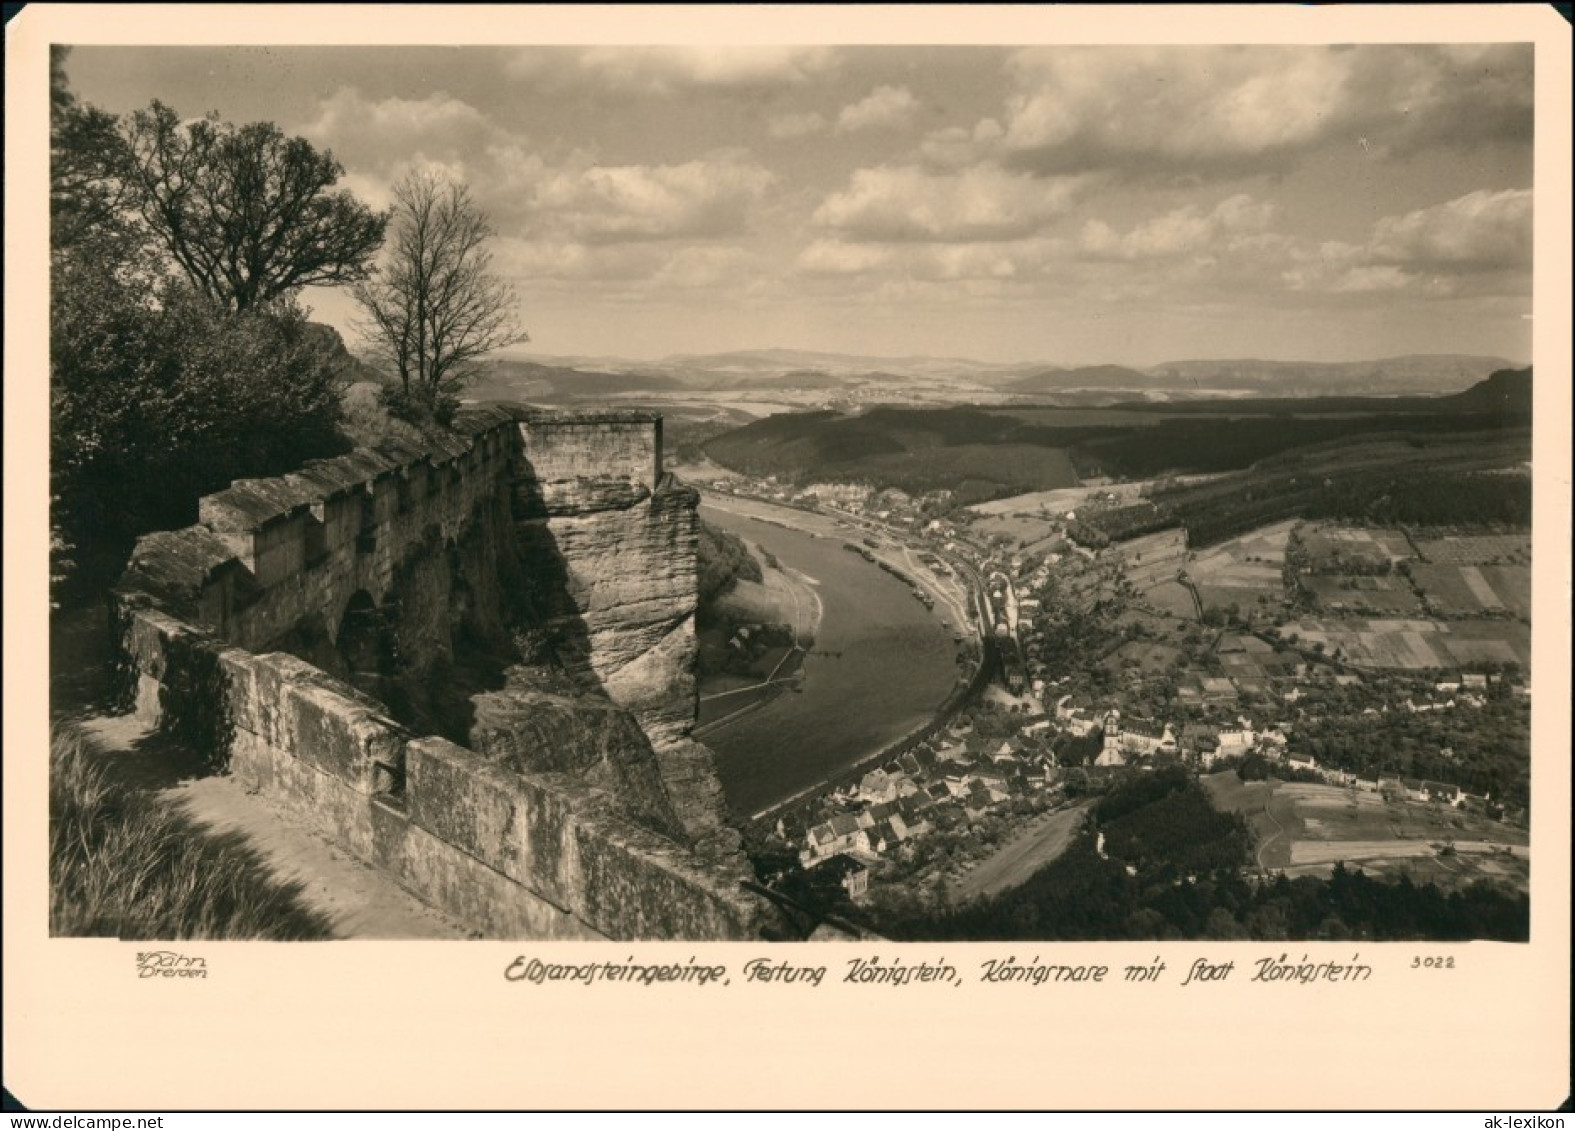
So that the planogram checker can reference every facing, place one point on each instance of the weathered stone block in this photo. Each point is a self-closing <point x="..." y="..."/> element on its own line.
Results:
<point x="588" y="737"/>
<point x="150" y="638"/>
<point x="316" y="799"/>
<point x="341" y="737"/>
<point x="258" y="689"/>
<point x="488" y="902"/>
<point x="514" y="825"/>
<point x="649" y="889"/>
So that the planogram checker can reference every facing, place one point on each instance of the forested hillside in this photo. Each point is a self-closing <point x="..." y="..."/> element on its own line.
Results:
<point x="1157" y="861"/>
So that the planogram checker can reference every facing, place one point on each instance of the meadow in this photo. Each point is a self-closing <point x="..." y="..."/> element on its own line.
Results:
<point x="1303" y="828"/>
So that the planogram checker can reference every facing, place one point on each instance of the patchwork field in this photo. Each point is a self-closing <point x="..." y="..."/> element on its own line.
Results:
<point x="1477" y="549"/>
<point x="1172" y="598"/>
<point x="1304" y="829"/>
<point x="1246" y="571"/>
<point x="1153" y="559"/>
<point x="1512" y="586"/>
<point x="1465" y="589"/>
<point x="1339" y="592"/>
<point x="1247" y="657"/>
<point x="1252" y="559"/>
<point x="1414" y="643"/>
<point x="1030" y="532"/>
<point x="1332" y="548"/>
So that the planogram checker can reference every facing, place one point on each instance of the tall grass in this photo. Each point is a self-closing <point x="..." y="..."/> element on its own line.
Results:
<point x="123" y="863"/>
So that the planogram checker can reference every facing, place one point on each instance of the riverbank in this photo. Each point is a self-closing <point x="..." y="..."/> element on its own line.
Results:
<point x="880" y="665"/>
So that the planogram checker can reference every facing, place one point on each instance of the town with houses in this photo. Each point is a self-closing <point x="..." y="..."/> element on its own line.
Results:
<point x="1054" y="722"/>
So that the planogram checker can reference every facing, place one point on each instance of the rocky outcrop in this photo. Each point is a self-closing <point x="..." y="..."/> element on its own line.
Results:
<point x="688" y="770"/>
<point x="608" y="544"/>
<point x="617" y="588"/>
<point x="586" y="737"/>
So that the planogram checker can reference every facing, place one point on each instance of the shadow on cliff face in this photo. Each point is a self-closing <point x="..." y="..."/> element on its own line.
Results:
<point x="553" y="714"/>
<point x="482" y="641"/>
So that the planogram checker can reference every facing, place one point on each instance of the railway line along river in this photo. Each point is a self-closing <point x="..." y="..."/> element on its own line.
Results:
<point x="880" y="666"/>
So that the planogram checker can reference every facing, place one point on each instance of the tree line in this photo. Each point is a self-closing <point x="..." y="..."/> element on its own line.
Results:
<point x="181" y="356"/>
<point x="1157" y="861"/>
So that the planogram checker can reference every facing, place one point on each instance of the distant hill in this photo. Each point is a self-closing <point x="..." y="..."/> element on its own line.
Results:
<point x="1413" y="373"/>
<point x="742" y="369"/>
<point x="510" y="379"/>
<point x="974" y="453"/>
<point x="1507" y="392"/>
<point x="770" y="362"/>
<point x="735" y="370"/>
<point x="1085" y="377"/>
<point x="981" y="452"/>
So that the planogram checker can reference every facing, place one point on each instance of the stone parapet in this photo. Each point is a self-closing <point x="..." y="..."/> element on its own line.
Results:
<point x="507" y="851"/>
<point x="573" y="817"/>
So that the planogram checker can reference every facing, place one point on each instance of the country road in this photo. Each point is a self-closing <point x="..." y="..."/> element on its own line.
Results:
<point x="1029" y="850"/>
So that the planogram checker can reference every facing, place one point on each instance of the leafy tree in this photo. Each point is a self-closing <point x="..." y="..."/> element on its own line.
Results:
<point x="1223" y="925"/>
<point x="165" y="388"/>
<point x="1254" y="767"/>
<point x="247" y="213"/>
<point x="435" y="308"/>
<point x="721" y="558"/>
<point x="87" y="197"/>
<point x="158" y="399"/>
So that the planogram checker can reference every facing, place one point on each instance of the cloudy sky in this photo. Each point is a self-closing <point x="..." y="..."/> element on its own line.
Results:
<point x="1072" y="205"/>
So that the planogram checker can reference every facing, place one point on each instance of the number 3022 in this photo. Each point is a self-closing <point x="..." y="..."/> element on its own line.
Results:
<point x="1445" y="963"/>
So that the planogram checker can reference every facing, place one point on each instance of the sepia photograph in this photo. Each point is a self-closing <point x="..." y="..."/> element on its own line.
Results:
<point x="544" y="491"/>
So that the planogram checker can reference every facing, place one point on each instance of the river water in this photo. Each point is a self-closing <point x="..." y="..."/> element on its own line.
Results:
<point x="896" y="664"/>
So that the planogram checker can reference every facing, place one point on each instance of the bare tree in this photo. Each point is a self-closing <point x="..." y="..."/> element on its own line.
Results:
<point x="435" y="308"/>
<point x="246" y="212"/>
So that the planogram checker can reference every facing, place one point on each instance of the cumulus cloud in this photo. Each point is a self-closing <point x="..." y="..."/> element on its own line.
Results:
<point x="570" y="196"/>
<point x="707" y="267"/>
<point x="1183" y="231"/>
<point x="632" y="203"/>
<point x="556" y="258"/>
<point x="364" y="132"/>
<point x="1368" y="280"/>
<point x="834" y="257"/>
<point x="884" y="108"/>
<point x="908" y="203"/>
<point x="956" y="146"/>
<point x="1241" y="109"/>
<point x="1475" y="244"/>
<point x="1479" y="230"/>
<point x="665" y="70"/>
<point x="1017" y="263"/>
<point x="795" y="125"/>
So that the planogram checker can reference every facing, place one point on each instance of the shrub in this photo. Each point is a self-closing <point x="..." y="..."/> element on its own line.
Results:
<point x="124" y="864"/>
<point x="159" y="396"/>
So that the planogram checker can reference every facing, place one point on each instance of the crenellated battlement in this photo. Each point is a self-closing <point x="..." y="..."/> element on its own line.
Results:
<point x="573" y="817"/>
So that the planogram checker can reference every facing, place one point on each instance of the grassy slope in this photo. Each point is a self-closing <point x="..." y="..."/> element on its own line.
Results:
<point x="124" y="865"/>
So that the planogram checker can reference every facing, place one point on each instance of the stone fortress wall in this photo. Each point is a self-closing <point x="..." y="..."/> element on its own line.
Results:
<point x="578" y="806"/>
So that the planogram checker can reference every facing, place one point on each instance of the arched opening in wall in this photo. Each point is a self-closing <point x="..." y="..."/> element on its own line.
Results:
<point x="366" y="643"/>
